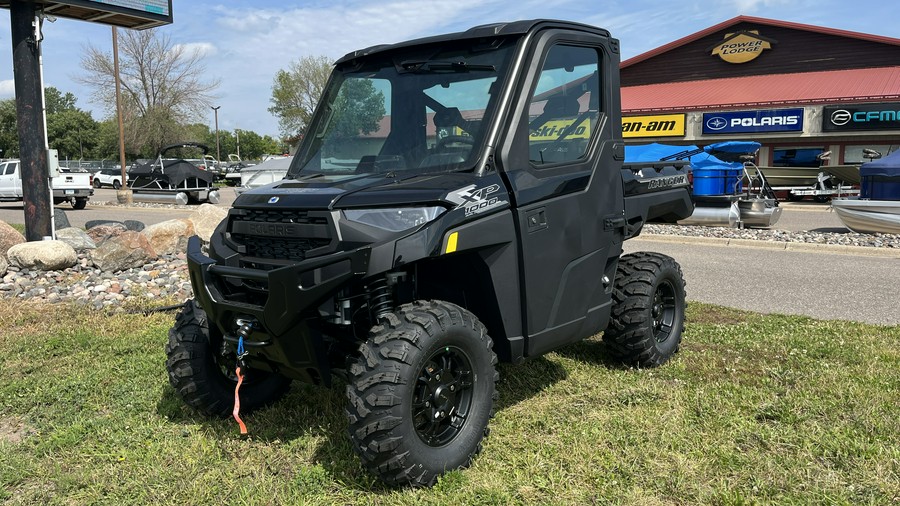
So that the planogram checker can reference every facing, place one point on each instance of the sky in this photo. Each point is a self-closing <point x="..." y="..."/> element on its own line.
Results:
<point x="245" y="42"/>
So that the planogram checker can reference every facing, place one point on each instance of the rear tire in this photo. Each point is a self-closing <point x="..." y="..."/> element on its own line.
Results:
<point x="79" y="203"/>
<point x="648" y="309"/>
<point x="200" y="380"/>
<point x="97" y="183"/>
<point x="116" y="184"/>
<point x="421" y="393"/>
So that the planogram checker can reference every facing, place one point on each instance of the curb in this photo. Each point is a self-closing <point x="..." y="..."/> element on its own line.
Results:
<point x="833" y="249"/>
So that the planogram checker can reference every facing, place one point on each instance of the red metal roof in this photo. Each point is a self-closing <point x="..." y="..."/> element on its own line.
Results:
<point x="760" y="21"/>
<point x="856" y="85"/>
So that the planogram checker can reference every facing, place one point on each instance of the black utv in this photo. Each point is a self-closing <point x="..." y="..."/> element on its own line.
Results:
<point x="457" y="201"/>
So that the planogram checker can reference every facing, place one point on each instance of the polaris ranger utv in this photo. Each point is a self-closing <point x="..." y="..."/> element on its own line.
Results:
<point x="457" y="200"/>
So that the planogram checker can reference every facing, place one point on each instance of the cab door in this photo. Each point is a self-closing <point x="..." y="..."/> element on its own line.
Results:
<point x="559" y="158"/>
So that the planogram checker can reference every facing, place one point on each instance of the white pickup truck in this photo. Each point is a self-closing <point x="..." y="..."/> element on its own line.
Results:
<point x="72" y="187"/>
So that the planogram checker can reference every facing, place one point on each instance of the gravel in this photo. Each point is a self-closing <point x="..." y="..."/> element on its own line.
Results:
<point x="756" y="234"/>
<point x="167" y="277"/>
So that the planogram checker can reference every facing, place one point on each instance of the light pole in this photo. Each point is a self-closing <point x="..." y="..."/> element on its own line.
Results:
<point x="218" y="153"/>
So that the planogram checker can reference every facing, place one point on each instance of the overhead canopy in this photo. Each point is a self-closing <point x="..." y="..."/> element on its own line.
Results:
<point x="887" y="166"/>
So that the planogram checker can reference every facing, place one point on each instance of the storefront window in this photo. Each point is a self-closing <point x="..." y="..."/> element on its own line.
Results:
<point x="855" y="154"/>
<point x="796" y="157"/>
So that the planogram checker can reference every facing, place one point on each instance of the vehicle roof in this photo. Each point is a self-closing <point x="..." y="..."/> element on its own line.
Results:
<point x="477" y="32"/>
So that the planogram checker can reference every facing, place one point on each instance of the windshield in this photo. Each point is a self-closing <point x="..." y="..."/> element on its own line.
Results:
<point x="421" y="109"/>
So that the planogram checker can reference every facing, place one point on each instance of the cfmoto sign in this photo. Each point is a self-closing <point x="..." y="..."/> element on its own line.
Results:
<point x="861" y="117"/>
<point x="841" y="117"/>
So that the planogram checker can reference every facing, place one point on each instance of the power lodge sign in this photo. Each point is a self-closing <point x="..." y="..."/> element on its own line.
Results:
<point x="742" y="46"/>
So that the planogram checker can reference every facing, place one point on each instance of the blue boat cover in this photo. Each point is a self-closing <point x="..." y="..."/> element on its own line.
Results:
<point x="700" y="158"/>
<point x="887" y="166"/>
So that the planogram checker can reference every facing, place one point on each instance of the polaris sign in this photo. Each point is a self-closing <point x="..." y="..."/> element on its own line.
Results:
<point x="748" y="122"/>
<point x="841" y="118"/>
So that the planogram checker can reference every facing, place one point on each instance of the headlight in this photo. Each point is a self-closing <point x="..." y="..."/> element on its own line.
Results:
<point x="395" y="219"/>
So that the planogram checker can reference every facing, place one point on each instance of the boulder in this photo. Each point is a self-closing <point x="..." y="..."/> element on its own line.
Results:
<point x="60" y="219"/>
<point x="95" y="223"/>
<point x="205" y="219"/>
<point x="76" y="238"/>
<point x="125" y="251"/>
<point x="8" y="237"/>
<point x="42" y="255"/>
<point x="102" y="232"/>
<point x="4" y="265"/>
<point x="169" y="237"/>
<point x="134" y="225"/>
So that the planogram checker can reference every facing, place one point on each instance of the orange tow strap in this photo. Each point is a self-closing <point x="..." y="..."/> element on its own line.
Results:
<point x="237" y="401"/>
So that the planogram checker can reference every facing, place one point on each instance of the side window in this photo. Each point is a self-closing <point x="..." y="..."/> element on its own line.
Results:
<point x="565" y="105"/>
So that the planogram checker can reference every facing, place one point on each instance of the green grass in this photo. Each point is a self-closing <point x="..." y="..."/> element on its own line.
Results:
<point x="753" y="410"/>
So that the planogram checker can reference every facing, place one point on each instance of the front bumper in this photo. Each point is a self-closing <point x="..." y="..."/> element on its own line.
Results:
<point x="285" y="335"/>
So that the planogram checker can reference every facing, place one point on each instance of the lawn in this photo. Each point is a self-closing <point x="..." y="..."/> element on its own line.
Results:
<point x="755" y="409"/>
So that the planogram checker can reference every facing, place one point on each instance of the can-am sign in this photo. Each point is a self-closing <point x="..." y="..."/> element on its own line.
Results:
<point x="741" y="122"/>
<point x="861" y="117"/>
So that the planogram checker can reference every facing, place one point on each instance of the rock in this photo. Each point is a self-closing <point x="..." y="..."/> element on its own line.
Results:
<point x="135" y="225"/>
<point x="8" y="237"/>
<point x="76" y="238"/>
<point x="169" y="237"/>
<point x="206" y="219"/>
<point x="100" y="233"/>
<point x="60" y="220"/>
<point x="96" y="223"/>
<point x="4" y="265"/>
<point x="125" y="251"/>
<point x="42" y="255"/>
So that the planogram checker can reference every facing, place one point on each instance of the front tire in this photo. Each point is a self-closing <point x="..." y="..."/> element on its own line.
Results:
<point x="421" y="393"/>
<point x="200" y="380"/>
<point x="648" y="310"/>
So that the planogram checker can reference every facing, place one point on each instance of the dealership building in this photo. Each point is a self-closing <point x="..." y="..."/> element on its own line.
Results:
<point x="799" y="90"/>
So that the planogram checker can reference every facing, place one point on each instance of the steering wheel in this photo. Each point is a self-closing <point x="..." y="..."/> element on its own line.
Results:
<point x="454" y="139"/>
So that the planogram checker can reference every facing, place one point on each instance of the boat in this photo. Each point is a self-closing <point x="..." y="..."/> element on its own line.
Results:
<point x="269" y="171"/>
<point x="727" y="188"/>
<point x="868" y="216"/>
<point x="792" y="177"/>
<point x="173" y="180"/>
<point x="877" y="209"/>
<point x="847" y="175"/>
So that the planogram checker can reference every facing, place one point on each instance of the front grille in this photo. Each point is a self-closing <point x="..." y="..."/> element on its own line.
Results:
<point x="287" y="216"/>
<point x="279" y="249"/>
<point x="283" y="236"/>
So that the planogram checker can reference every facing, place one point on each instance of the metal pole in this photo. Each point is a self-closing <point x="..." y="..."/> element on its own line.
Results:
<point x="218" y="151"/>
<point x="30" y="119"/>
<point x="124" y="191"/>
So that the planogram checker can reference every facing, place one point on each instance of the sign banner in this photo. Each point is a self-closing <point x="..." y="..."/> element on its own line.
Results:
<point x="551" y="130"/>
<point x="746" y="122"/>
<point x="666" y="125"/>
<point x="842" y="118"/>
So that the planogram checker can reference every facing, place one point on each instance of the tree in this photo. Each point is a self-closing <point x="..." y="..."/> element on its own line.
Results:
<point x="164" y="86"/>
<point x="71" y="131"/>
<point x="56" y="101"/>
<point x="296" y="92"/>
<point x="9" y="136"/>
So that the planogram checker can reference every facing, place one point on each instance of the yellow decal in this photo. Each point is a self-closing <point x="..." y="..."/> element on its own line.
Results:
<point x="666" y="125"/>
<point x="741" y="47"/>
<point x="552" y="130"/>
<point x="451" y="242"/>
